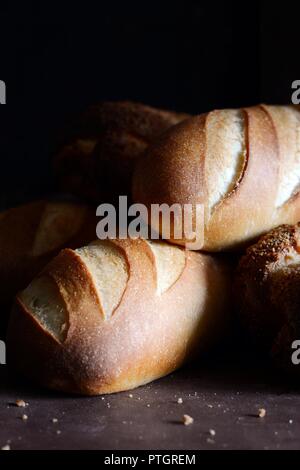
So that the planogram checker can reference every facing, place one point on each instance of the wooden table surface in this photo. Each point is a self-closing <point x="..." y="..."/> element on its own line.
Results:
<point x="219" y="397"/>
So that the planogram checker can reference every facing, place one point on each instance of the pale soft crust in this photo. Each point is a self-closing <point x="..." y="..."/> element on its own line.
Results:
<point x="286" y="120"/>
<point x="225" y="153"/>
<point x="41" y="297"/>
<point x="30" y="235"/>
<point x="169" y="264"/>
<point x="109" y="272"/>
<point x="243" y="166"/>
<point x="150" y="333"/>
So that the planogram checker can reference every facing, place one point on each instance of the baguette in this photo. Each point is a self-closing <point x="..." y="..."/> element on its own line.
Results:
<point x="30" y="235"/>
<point x="242" y="166"/>
<point x="117" y="314"/>
<point x="96" y="159"/>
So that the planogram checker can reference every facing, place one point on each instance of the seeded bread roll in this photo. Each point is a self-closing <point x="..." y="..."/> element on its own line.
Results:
<point x="267" y="292"/>
<point x="241" y="165"/>
<point x="97" y="157"/>
<point x="30" y="235"/>
<point x="117" y="314"/>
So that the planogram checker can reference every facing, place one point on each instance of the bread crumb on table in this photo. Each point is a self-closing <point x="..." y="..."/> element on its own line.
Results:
<point x="187" y="420"/>
<point x="290" y="421"/>
<point x="262" y="412"/>
<point x="21" y="403"/>
<point x="180" y="400"/>
<point x="54" y="420"/>
<point x="212" y="432"/>
<point x="130" y="395"/>
<point x="58" y="432"/>
<point x="24" y="417"/>
<point x="7" y="447"/>
<point x="210" y="441"/>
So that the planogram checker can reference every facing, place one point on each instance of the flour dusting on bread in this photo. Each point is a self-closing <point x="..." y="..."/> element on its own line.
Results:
<point x="109" y="272"/>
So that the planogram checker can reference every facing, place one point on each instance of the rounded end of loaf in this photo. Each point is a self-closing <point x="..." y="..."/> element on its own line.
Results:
<point x="116" y="315"/>
<point x="168" y="174"/>
<point x="30" y="235"/>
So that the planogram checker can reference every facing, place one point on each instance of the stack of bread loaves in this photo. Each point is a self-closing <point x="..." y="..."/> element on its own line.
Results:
<point x="115" y="314"/>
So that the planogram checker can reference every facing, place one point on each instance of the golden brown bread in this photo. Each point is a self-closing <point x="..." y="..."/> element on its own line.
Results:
<point x="97" y="158"/>
<point x="243" y="166"/>
<point x="117" y="314"/>
<point x="30" y="235"/>
<point x="267" y="292"/>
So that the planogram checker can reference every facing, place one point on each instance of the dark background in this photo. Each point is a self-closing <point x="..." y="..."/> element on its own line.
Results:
<point x="189" y="56"/>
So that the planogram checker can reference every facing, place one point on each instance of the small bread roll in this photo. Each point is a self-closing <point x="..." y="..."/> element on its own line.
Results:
<point x="97" y="156"/>
<point x="268" y="295"/>
<point x="117" y="314"/>
<point x="30" y="235"/>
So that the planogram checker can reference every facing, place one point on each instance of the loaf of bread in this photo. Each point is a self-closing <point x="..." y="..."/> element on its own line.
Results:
<point x="267" y="293"/>
<point x="117" y="314"/>
<point x="96" y="158"/>
<point x="30" y="235"/>
<point x="242" y="166"/>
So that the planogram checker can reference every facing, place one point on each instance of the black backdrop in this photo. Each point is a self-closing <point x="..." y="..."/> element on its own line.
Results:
<point x="190" y="56"/>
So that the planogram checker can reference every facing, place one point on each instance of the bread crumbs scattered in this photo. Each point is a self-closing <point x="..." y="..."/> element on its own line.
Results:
<point x="58" y="432"/>
<point x="210" y="441"/>
<point x="180" y="400"/>
<point x="148" y="405"/>
<point x="262" y="412"/>
<point x="7" y="447"/>
<point x="187" y="420"/>
<point x="290" y="421"/>
<point x="21" y="403"/>
<point x="212" y="432"/>
<point x="130" y="395"/>
<point x="24" y="417"/>
<point x="210" y="406"/>
<point x="54" y="420"/>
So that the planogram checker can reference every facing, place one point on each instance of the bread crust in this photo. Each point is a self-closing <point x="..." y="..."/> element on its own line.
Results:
<point x="176" y="169"/>
<point x="96" y="157"/>
<point x="266" y="289"/>
<point x="148" y="335"/>
<point x="26" y="245"/>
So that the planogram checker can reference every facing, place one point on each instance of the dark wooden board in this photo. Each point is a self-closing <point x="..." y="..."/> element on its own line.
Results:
<point x="219" y="397"/>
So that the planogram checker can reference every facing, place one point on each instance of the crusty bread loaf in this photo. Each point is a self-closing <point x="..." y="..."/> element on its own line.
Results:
<point x="243" y="166"/>
<point x="30" y="235"/>
<point x="97" y="156"/>
<point x="117" y="314"/>
<point x="267" y="292"/>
